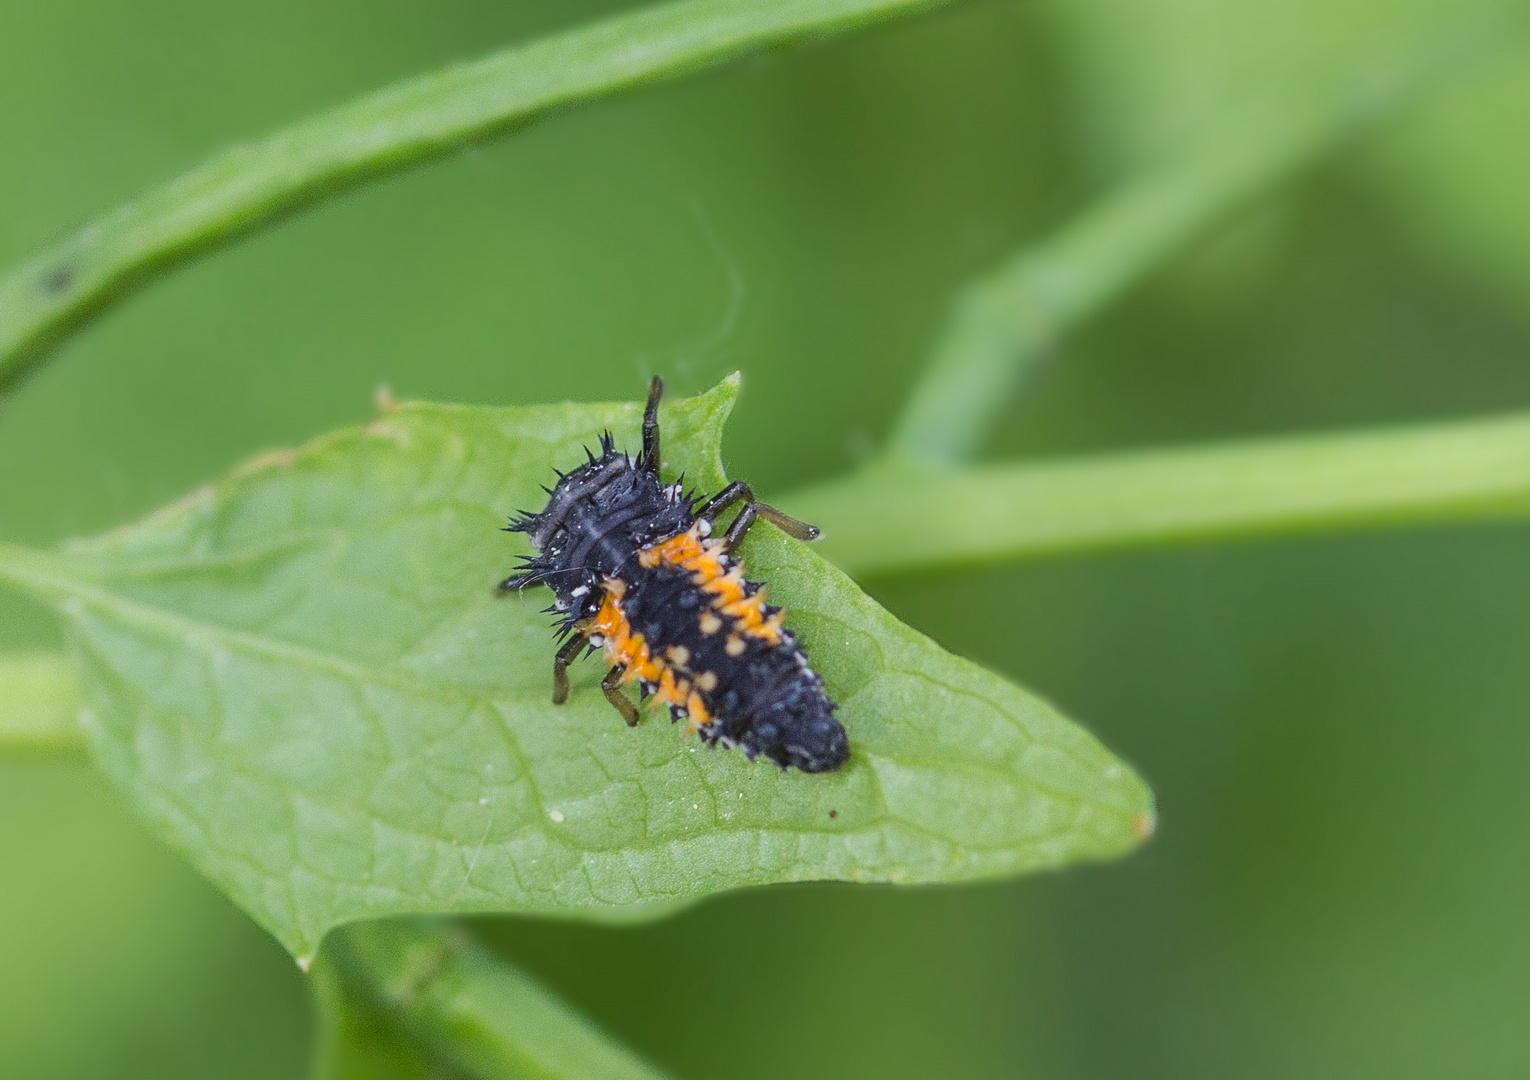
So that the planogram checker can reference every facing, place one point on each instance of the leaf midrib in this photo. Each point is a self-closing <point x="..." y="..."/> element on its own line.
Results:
<point x="172" y="622"/>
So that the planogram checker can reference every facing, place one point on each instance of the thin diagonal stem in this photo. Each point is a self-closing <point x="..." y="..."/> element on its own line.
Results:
<point x="248" y="187"/>
<point x="1003" y="325"/>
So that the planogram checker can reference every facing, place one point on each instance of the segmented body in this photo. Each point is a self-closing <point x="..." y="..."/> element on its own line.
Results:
<point x="636" y="572"/>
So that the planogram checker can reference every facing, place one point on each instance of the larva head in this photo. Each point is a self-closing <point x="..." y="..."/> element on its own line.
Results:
<point x="596" y="518"/>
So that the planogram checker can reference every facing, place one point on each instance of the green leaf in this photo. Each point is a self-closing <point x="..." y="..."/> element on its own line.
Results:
<point x="39" y="703"/>
<point x="302" y="677"/>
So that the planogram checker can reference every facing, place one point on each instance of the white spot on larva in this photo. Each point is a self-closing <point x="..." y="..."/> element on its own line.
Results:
<point x="556" y="815"/>
<point x="483" y="801"/>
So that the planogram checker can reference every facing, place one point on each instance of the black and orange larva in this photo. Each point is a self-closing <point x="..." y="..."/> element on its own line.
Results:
<point x="634" y="568"/>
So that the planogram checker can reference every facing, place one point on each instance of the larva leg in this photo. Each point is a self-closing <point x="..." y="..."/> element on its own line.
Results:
<point x="738" y="491"/>
<point x="651" y="426"/>
<point x="566" y="656"/>
<point x="611" y="686"/>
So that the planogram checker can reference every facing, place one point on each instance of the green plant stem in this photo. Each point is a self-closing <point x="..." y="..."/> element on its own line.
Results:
<point x="899" y="518"/>
<point x="1004" y="324"/>
<point x="39" y="703"/>
<point x="249" y="186"/>
<point x="356" y="1039"/>
<point x="462" y="1002"/>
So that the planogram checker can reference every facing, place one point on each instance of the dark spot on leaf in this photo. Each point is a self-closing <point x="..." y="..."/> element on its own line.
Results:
<point x="57" y="280"/>
<point x="834" y="813"/>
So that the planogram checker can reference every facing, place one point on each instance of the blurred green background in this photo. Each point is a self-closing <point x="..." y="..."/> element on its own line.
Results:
<point x="1336" y="729"/>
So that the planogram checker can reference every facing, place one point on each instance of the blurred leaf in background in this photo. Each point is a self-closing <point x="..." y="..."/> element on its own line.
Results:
<point x="1336" y="729"/>
<point x="1453" y="175"/>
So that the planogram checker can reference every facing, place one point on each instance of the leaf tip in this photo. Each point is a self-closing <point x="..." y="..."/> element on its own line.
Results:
<point x="724" y="394"/>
